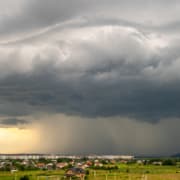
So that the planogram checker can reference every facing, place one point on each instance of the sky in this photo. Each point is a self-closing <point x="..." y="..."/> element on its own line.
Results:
<point x="90" y="77"/>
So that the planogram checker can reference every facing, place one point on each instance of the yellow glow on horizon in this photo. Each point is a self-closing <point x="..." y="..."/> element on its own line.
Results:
<point x="14" y="140"/>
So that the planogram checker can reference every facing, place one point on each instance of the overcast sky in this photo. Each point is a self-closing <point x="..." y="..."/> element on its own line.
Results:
<point x="88" y="76"/>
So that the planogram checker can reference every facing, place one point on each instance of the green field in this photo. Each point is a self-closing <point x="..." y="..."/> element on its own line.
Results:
<point x="125" y="172"/>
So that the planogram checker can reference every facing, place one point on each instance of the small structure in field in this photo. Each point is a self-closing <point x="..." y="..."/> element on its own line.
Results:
<point x="157" y="163"/>
<point x="14" y="171"/>
<point x="75" y="172"/>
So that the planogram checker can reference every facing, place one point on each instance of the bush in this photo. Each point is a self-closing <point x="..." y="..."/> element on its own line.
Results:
<point x="169" y="162"/>
<point x="87" y="172"/>
<point x="24" y="178"/>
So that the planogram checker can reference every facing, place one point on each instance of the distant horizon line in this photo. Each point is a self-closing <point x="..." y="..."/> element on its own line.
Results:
<point x="91" y="154"/>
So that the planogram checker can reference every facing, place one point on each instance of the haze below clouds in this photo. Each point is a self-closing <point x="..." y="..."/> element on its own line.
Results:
<point x="98" y="76"/>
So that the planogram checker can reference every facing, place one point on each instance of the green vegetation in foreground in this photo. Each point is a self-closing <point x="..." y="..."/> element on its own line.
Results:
<point x="124" y="172"/>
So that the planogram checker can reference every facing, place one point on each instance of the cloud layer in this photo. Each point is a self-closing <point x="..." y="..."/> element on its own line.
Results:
<point x="93" y="71"/>
<point x="91" y="60"/>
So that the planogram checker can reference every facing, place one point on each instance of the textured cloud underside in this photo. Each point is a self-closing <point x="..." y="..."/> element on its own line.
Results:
<point x="92" y="71"/>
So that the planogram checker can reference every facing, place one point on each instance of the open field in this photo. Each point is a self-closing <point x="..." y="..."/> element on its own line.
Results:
<point x="122" y="176"/>
<point x="125" y="172"/>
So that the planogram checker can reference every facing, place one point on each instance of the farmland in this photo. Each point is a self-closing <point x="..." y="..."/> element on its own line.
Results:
<point x="90" y="168"/>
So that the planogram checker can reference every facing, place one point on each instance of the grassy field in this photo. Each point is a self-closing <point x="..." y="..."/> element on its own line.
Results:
<point x="125" y="172"/>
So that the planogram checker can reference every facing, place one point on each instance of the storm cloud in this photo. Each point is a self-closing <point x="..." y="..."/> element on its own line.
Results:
<point x="13" y="121"/>
<point x="108" y="72"/>
<point x="92" y="59"/>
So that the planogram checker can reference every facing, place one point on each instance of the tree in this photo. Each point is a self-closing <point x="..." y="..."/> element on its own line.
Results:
<point x="24" y="178"/>
<point x="169" y="162"/>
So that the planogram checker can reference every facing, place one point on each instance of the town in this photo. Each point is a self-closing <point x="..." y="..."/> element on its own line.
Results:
<point x="15" y="162"/>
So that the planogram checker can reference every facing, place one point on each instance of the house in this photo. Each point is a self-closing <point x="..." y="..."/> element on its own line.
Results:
<point x="123" y="161"/>
<point x="49" y="166"/>
<point x="84" y="166"/>
<point x="25" y="163"/>
<point x="98" y="164"/>
<point x="75" y="172"/>
<point x="89" y="163"/>
<point x="41" y="165"/>
<point x="61" y="165"/>
<point x="79" y="164"/>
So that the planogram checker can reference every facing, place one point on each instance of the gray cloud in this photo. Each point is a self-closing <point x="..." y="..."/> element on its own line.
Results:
<point x="13" y="122"/>
<point x="93" y="60"/>
<point x="33" y="16"/>
<point x="129" y="74"/>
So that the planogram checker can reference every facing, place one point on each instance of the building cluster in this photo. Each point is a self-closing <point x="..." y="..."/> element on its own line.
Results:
<point x="56" y="162"/>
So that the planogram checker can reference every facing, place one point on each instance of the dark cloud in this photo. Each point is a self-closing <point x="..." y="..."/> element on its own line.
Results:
<point x="126" y="75"/>
<point x="13" y="122"/>
<point x="92" y="59"/>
